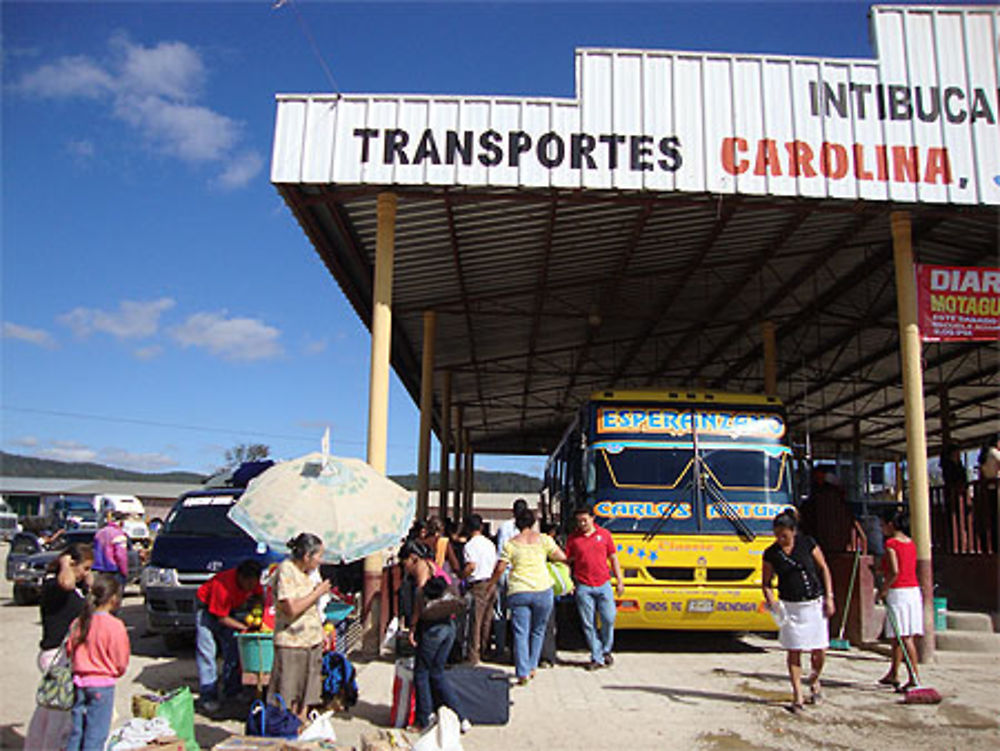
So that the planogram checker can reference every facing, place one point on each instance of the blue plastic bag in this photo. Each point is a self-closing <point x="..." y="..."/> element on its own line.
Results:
<point x="272" y="720"/>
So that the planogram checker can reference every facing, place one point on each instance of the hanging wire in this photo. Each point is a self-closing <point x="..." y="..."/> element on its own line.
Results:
<point x="277" y="5"/>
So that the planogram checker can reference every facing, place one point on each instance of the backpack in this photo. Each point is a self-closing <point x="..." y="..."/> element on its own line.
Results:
<point x="339" y="679"/>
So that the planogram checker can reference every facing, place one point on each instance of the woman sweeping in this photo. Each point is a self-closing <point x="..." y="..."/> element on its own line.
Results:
<point x="806" y="592"/>
<point x="297" y="673"/>
<point x="901" y="593"/>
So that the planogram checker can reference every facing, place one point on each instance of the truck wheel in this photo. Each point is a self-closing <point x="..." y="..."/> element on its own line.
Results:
<point x="23" y="595"/>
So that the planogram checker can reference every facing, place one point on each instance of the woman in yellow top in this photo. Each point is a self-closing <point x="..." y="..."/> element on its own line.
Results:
<point x="529" y="590"/>
<point x="297" y="673"/>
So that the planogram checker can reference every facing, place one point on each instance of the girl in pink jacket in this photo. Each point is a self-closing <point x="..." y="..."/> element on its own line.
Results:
<point x="99" y="649"/>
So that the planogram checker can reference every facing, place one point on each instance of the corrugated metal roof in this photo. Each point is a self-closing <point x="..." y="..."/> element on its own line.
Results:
<point x="52" y="486"/>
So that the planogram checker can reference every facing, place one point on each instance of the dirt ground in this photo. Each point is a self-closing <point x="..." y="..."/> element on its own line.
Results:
<point x="701" y="691"/>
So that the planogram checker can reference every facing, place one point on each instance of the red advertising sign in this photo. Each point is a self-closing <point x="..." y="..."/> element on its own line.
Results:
<point x="958" y="303"/>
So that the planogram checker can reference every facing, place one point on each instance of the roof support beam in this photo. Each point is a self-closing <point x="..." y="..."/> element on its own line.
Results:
<point x="725" y="213"/>
<point x="608" y="298"/>
<point x="541" y="292"/>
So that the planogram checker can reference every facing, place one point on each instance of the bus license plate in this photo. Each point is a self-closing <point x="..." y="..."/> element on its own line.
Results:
<point x="700" y="606"/>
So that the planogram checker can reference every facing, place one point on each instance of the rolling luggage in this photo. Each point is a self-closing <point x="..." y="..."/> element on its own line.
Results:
<point x="463" y="631"/>
<point x="485" y="693"/>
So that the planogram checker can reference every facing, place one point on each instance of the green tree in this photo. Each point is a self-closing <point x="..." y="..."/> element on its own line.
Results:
<point x="246" y="452"/>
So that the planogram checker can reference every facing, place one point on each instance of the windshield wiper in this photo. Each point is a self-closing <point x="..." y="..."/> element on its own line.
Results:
<point x="726" y="509"/>
<point x="667" y="513"/>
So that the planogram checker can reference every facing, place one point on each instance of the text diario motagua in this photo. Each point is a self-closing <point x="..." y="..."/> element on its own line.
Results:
<point x="491" y="148"/>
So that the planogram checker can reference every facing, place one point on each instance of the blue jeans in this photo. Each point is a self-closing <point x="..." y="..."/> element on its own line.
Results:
<point x="530" y="614"/>
<point x="602" y="600"/>
<point x="91" y="718"/>
<point x="210" y="633"/>
<point x="429" y="679"/>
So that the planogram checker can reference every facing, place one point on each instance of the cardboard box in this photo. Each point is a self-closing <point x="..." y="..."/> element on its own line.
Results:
<point x="253" y="743"/>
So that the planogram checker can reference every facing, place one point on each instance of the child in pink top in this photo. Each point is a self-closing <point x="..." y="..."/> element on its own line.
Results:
<point x="99" y="649"/>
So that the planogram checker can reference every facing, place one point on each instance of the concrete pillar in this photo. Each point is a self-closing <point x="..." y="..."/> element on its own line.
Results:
<point x="944" y="407"/>
<point x="459" y="451"/>
<point x="770" y="358"/>
<point x="445" y="444"/>
<point x="916" y="432"/>
<point x="378" y="395"/>
<point x="470" y="476"/>
<point x="426" y="409"/>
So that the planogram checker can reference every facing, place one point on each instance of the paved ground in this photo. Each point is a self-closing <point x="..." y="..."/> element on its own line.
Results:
<point x="665" y="690"/>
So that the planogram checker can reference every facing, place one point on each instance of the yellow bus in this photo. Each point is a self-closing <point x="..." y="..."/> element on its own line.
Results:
<point x="688" y="484"/>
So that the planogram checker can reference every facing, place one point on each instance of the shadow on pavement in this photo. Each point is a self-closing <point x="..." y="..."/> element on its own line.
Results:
<point x="687" y="695"/>
<point x="168" y="676"/>
<point x="11" y="736"/>
<point x="683" y="642"/>
<point x="783" y="679"/>
<point x="208" y="736"/>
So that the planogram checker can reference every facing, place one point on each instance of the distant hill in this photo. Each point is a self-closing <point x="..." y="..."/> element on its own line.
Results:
<point x="13" y="465"/>
<point x="485" y="482"/>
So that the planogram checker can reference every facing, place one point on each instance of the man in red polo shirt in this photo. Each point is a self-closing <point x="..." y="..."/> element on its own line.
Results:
<point x="590" y="549"/>
<point x="216" y="630"/>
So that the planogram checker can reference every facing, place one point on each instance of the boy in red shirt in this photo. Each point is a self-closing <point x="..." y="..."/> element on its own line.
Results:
<point x="590" y="549"/>
<point x="216" y="628"/>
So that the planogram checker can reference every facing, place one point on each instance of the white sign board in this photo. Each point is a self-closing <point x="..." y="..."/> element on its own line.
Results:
<point x="918" y="124"/>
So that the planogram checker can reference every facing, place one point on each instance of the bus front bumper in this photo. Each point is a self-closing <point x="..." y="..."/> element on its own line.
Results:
<point x="693" y="608"/>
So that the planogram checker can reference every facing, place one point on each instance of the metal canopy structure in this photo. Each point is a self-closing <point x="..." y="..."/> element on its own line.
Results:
<point x="543" y="297"/>
<point x="641" y="234"/>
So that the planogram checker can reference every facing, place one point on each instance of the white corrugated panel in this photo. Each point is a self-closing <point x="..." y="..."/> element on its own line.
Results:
<point x="919" y="123"/>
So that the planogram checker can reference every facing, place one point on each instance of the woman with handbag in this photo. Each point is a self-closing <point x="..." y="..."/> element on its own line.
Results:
<point x="99" y="650"/>
<point x="529" y="591"/>
<point x="64" y="590"/>
<point x="297" y="673"/>
<point x="432" y="635"/>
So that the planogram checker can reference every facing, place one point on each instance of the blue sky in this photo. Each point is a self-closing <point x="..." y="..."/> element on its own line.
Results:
<point x="159" y="302"/>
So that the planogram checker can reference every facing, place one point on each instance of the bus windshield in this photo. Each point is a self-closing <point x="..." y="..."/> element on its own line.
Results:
<point x="754" y="480"/>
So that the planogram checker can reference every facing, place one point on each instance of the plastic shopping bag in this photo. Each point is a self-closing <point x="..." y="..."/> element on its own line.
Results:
<point x="178" y="709"/>
<point x="320" y="728"/>
<point x="404" y="699"/>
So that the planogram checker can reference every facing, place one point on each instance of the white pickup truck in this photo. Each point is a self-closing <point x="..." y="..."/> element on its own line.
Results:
<point x="8" y="522"/>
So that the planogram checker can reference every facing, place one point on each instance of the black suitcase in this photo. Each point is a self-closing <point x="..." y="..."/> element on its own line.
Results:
<point x="484" y="693"/>
<point x="463" y="631"/>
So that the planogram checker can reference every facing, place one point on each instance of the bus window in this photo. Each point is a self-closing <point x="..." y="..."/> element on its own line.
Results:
<point x="751" y="470"/>
<point x="645" y="467"/>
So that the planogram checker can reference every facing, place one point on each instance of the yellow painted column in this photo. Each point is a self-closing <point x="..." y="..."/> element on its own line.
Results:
<point x="378" y="393"/>
<point x="443" y="476"/>
<point x="426" y="408"/>
<point x="916" y="433"/>
<point x="770" y="358"/>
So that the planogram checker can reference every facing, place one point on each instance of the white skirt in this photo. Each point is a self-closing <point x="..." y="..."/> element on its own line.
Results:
<point x="908" y="607"/>
<point x="803" y="626"/>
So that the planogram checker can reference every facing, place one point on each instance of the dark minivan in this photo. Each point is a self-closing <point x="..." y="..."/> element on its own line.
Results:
<point x="196" y="542"/>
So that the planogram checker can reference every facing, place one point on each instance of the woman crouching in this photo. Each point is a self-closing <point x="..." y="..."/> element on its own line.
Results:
<point x="806" y="592"/>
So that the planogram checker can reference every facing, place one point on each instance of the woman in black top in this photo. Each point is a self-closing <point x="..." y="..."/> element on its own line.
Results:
<point x="806" y="601"/>
<point x="63" y="591"/>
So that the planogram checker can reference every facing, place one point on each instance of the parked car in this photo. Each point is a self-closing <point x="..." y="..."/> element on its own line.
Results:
<point x="8" y="522"/>
<point x="29" y="559"/>
<point x="197" y="541"/>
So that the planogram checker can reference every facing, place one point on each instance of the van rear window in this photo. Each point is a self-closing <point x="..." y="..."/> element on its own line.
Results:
<point x="203" y="516"/>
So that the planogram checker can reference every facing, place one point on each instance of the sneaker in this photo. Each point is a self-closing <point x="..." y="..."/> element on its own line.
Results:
<point x="609" y="660"/>
<point x="592" y="666"/>
<point x="465" y="725"/>
<point x="208" y="706"/>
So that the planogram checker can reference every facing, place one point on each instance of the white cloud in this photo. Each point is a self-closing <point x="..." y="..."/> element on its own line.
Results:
<point x="242" y="339"/>
<point x="76" y="76"/>
<point x="140" y="462"/>
<point x="148" y="353"/>
<point x="132" y="319"/>
<point x="240" y="170"/>
<point x="170" y="69"/>
<point x="315" y="346"/>
<point x="38" y="337"/>
<point x="24" y="441"/>
<point x="155" y="90"/>
<point x="68" y="451"/>
<point x="189" y="132"/>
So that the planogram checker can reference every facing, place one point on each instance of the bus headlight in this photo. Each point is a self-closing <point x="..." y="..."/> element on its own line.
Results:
<point x="153" y="576"/>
